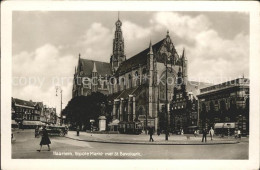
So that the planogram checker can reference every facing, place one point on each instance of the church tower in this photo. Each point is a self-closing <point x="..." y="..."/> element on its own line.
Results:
<point x="118" y="55"/>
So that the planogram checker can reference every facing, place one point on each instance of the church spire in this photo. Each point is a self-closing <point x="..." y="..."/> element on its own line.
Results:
<point x="118" y="55"/>
<point x="94" y="68"/>
<point x="151" y="48"/>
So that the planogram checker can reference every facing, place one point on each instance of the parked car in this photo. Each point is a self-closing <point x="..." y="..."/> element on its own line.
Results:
<point x="56" y="130"/>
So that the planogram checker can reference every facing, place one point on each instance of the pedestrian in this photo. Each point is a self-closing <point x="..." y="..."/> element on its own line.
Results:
<point x="158" y="132"/>
<point x="239" y="134"/>
<point x="211" y="132"/>
<point x="182" y="132"/>
<point x="78" y="131"/>
<point x="151" y="134"/>
<point x="195" y="133"/>
<point x="198" y="132"/>
<point x="66" y="129"/>
<point x="204" y="135"/>
<point x="235" y="133"/>
<point x="45" y="139"/>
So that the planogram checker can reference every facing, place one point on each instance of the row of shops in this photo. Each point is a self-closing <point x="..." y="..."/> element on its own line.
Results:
<point x="29" y="114"/>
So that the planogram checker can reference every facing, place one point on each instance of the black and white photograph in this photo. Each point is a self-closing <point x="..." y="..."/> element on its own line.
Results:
<point x="125" y="84"/>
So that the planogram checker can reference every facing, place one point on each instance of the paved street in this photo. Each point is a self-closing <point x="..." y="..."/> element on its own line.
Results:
<point x="26" y="145"/>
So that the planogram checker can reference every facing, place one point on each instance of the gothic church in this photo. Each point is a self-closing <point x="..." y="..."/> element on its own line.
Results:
<point x="135" y="86"/>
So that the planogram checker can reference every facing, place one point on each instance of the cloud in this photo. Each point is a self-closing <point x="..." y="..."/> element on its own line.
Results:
<point x="209" y="55"/>
<point x="136" y="37"/>
<point x="96" y="43"/>
<point x="183" y="26"/>
<point x="45" y="68"/>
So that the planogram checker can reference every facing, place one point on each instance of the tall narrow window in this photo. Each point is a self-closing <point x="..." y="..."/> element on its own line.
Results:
<point x="144" y="76"/>
<point x="105" y="85"/>
<point x="137" y="78"/>
<point x="130" y="80"/>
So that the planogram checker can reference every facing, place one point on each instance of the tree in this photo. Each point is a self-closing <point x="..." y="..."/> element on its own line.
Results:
<point x="81" y="109"/>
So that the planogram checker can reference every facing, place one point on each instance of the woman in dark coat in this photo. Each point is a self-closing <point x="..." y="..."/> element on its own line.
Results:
<point x="45" y="139"/>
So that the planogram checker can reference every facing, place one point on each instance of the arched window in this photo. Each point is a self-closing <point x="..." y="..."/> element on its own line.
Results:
<point x="111" y="83"/>
<point x="130" y="80"/>
<point x="105" y="85"/>
<point x="117" y="84"/>
<point x="144" y="76"/>
<point x="99" y="83"/>
<point x="122" y="82"/>
<point x="137" y="78"/>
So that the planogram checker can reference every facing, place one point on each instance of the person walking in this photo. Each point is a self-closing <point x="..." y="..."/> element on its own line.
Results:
<point x="78" y="131"/>
<point x="211" y="132"/>
<point x="204" y="135"/>
<point x="235" y="133"/>
<point x="195" y="133"/>
<point x="45" y="139"/>
<point x="182" y="132"/>
<point x="239" y="134"/>
<point x="158" y="132"/>
<point x="151" y="134"/>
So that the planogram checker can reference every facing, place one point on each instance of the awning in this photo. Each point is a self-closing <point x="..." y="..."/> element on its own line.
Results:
<point x="33" y="123"/>
<point x="224" y="125"/>
<point x="114" y="123"/>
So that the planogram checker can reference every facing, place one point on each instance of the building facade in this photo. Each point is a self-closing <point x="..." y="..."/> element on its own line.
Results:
<point x="50" y="116"/>
<point x="90" y="76"/>
<point x="25" y="110"/>
<point x="28" y="114"/>
<point x="135" y="86"/>
<point x="184" y="104"/>
<point x="227" y="102"/>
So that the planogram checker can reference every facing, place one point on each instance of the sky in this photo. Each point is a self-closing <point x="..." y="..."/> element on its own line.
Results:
<point x="46" y="45"/>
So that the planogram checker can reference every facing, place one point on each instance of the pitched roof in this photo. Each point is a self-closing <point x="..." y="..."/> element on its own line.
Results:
<point x="125" y="93"/>
<point x="23" y="102"/>
<point x="139" y="58"/>
<point x="102" y="68"/>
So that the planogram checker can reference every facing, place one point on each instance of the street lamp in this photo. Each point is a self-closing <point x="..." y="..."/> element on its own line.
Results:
<point x="58" y="88"/>
<point x="167" y="55"/>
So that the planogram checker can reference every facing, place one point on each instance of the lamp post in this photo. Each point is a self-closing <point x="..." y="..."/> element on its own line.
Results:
<point x="166" y="57"/>
<point x="58" y="88"/>
<point x="166" y="101"/>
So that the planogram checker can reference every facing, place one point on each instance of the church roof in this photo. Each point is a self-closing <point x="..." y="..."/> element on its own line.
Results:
<point x="102" y="68"/>
<point x="125" y="93"/>
<point x="139" y="58"/>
